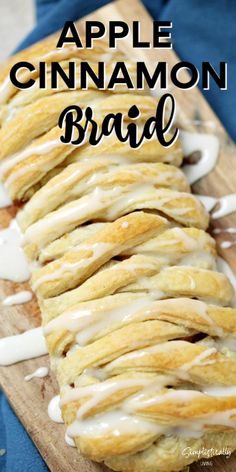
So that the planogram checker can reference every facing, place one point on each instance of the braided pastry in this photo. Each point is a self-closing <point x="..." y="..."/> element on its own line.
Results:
<point x="136" y="316"/>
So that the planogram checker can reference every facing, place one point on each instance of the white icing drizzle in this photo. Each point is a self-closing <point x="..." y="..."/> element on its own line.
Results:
<point x="219" y="391"/>
<point x="97" y="249"/>
<point x="5" y="90"/>
<point x="208" y="144"/>
<point x="12" y="234"/>
<point x="13" y="160"/>
<point x="227" y="206"/>
<point x="224" y="267"/>
<point x="21" y="347"/>
<point x="157" y="198"/>
<point x="224" y="230"/>
<point x="138" y="401"/>
<point x="181" y="372"/>
<point x="208" y="202"/>
<point x="198" y="259"/>
<point x="143" y="352"/>
<point x="7" y="87"/>
<point x="178" y="305"/>
<point x="32" y="344"/>
<point x="92" y="203"/>
<point x="97" y="372"/>
<point x="49" y="191"/>
<point x="39" y="373"/>
<point x="89" y="322"/>
<point x="10" y="113"/>
<point x="99" y="392"/>
<point x="13" y="262"/>
<point x="5" y="200"/>
<point x="180" y="235"/>
<point x="227" y="244"/>
<point x="198" y="360"/>
<point x="219" y="418"/>
<point x="216" y="418"/>
<point x="224" y="345"/>
<point x="110" y="203"/>
<point x="132" y="266"/>
<point x="125" y="224"/>
<point x="18" y="298"/>
<point x="69" y="441"/>
<point x="115" y="422"/>
<point x="118" y="422"/>
<point x="61" y="53"/>
<point x="54" y="411"/>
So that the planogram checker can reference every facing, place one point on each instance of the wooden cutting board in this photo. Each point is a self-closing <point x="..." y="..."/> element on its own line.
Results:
<point x="30" y="399"/>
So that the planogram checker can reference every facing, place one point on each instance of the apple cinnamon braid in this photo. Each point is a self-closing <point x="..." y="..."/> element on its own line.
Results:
<point x="137" y="319"/>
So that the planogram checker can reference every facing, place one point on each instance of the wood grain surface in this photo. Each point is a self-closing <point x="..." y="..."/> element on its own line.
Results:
<point x="30" y="399"/>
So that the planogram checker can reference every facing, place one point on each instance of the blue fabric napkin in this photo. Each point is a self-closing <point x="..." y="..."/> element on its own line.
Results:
<point x="17" y="452"/>
<point x="203" y="31"/>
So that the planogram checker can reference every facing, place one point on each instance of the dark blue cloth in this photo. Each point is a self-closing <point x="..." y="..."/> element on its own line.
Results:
<point x="203" y="31"/>
<point x="21" y="455"/>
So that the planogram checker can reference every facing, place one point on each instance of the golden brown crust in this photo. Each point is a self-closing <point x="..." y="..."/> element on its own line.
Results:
<point x="46" y="51"/>
<point x="172" y="245"/>
<point x="78" y="179"/>
<point x="174" y="453"/>
<point x="116" y="344"/>
<point x="76" y="266"/>
<point x="107" y="205"/>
